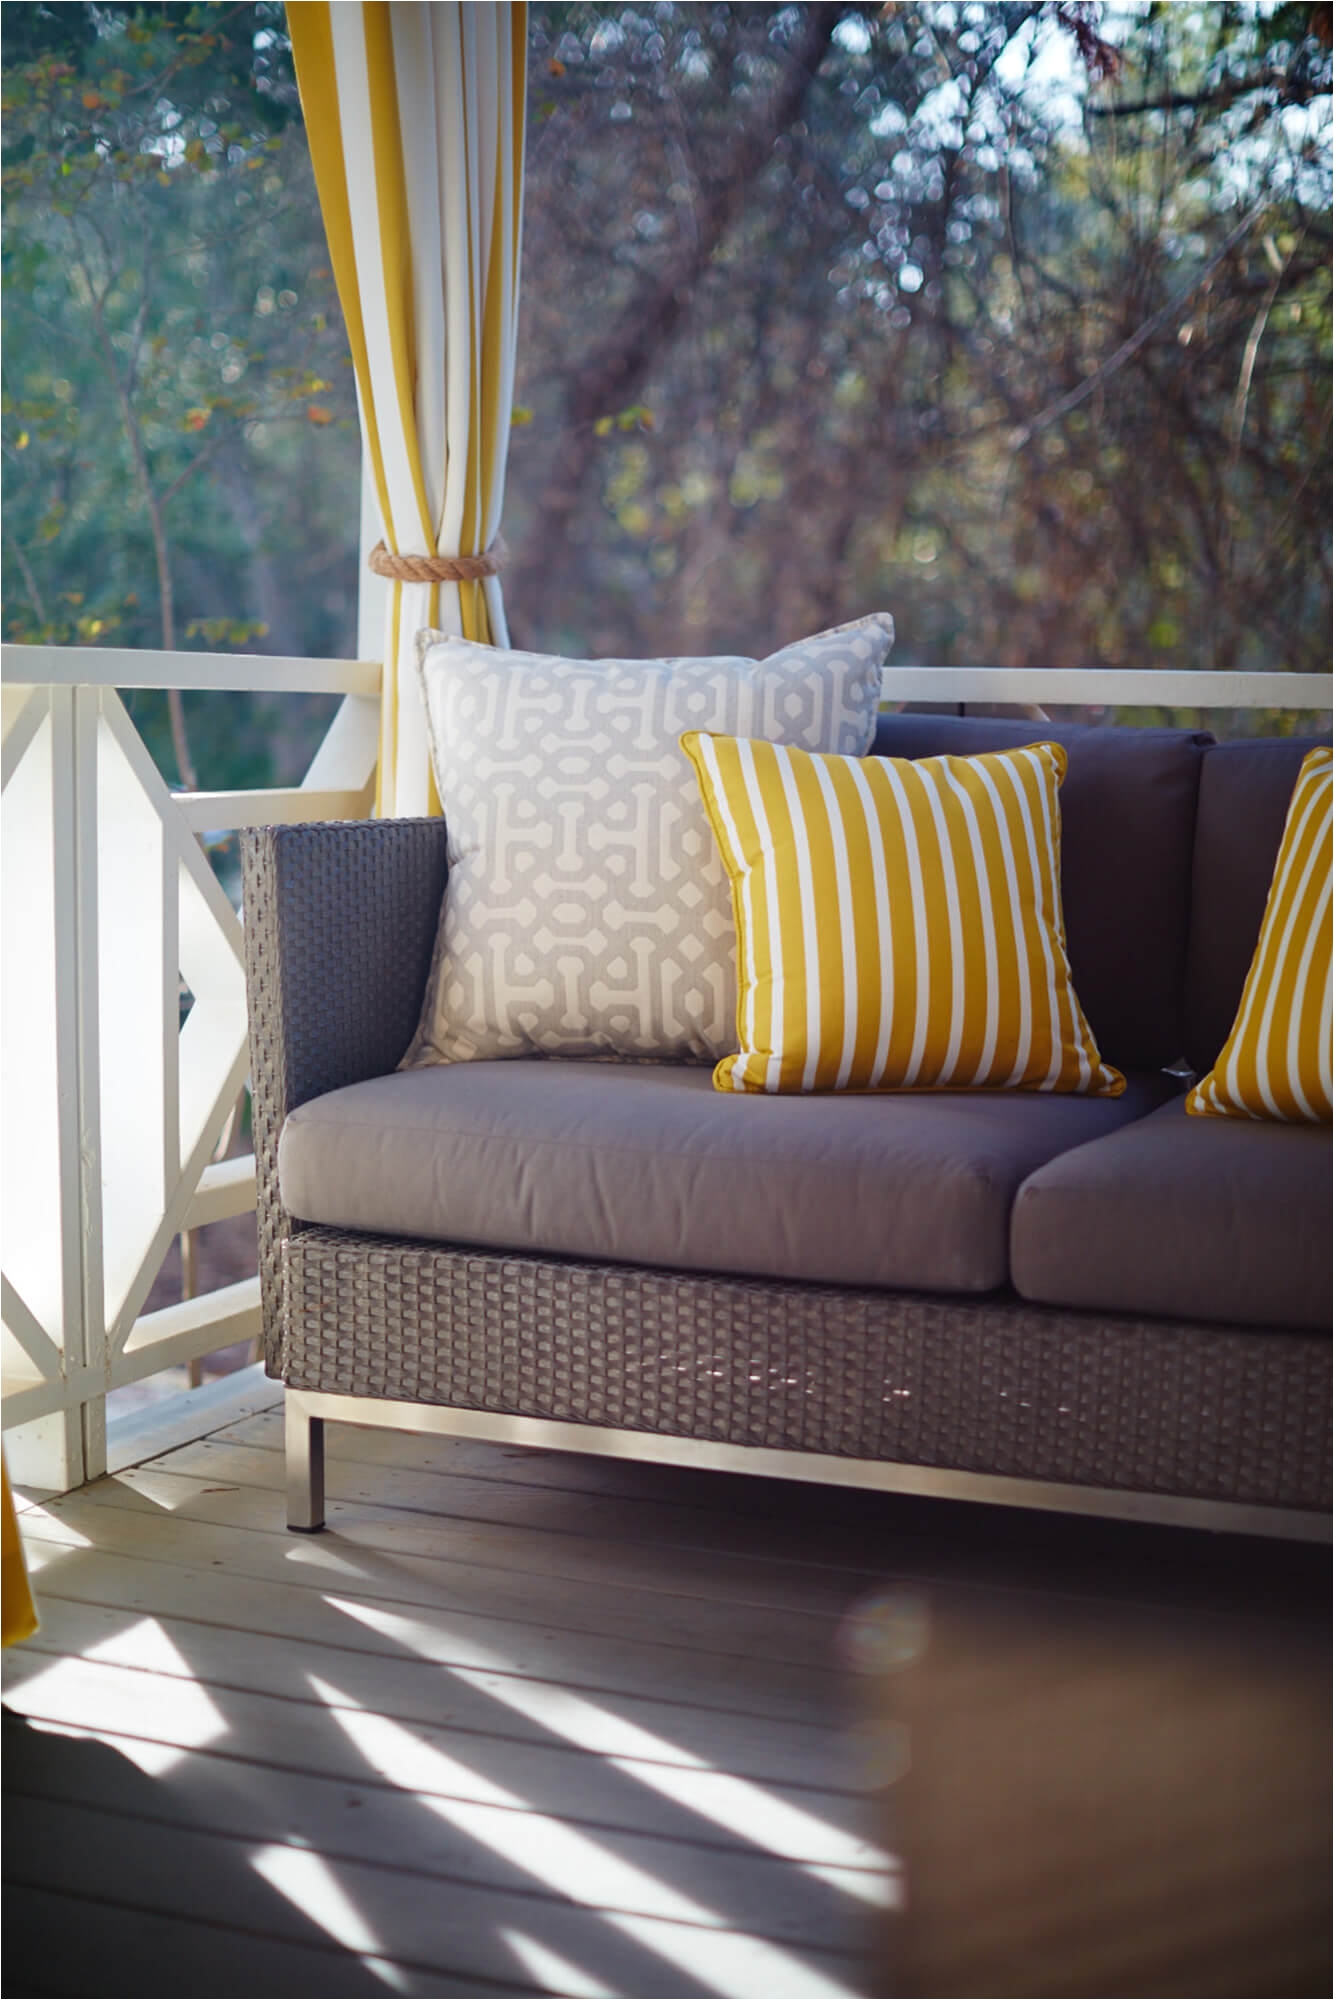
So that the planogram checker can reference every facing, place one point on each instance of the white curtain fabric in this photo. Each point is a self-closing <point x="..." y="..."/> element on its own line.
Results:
<point x="415" y="115"/>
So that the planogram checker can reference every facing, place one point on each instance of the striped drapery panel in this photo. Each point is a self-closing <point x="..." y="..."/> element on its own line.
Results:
<point x="415" y="116"/>
<point x="20" y="1618"/>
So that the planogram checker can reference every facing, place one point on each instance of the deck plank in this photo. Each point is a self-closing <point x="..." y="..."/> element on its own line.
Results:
<point x="411" y="1689"/>
<point x="443" y="1923"/>
<point x="320" y="1727"/>
<point x="341" y="1615"/>
<point x="56" y="1942"/>
<point x="443" y="1583"/>
<point x="521" y="1722"/>
<point x="533" y="1753"/>
<point x="242" y="1488"/>
<point x="379" y="1825"/>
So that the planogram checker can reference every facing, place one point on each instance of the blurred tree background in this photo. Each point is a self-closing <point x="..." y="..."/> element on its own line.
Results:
<point x="1013" y="319"/>
<point x="181" y="456"/>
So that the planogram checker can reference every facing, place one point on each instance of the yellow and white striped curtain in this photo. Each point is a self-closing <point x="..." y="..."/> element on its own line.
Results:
<point x="20" y="1618"/>
<point x="415" y="114"/>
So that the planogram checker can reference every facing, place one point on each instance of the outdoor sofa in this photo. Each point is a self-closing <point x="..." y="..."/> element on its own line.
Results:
<point x="1091" y="1304"/>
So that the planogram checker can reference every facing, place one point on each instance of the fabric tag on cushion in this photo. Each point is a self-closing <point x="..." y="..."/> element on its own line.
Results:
<point x="899" y="924"/>
<point x="1276" y="1061"/>
<point x="587" y="911"/>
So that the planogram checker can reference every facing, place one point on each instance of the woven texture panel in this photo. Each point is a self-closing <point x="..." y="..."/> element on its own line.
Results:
<point x="340" y="924"/>
<point x="979" y="1386"/>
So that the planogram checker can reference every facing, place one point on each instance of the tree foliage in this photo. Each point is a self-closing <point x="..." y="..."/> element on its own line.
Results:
<point x="178" y="419"/>
<point x="919" y="323"/>
<point x="1012" y="318"/>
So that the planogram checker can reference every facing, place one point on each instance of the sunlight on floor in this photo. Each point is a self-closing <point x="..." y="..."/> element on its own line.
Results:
<point x="309" y="1882"/>
<point x="41" y="1554"/>
<point x="164" y="1491"/>
<point x="317" y="1555"/>
<point x="856" y="1867"/>
<point x="567" y="1862"/>
<point x="61" y="1694"/>
<point x="553" y="1973"/>
<point x="563" y="1859"/>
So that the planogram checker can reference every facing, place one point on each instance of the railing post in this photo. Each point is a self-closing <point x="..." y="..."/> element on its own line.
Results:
<point x="92" y="1341"/>
<point x="111" y="1105"/>
<point x="68" y="1447"/>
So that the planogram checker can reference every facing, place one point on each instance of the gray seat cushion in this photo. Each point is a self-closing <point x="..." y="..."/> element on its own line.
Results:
<point x="649" y="1164"/>
<point x="1190" y="1218"/>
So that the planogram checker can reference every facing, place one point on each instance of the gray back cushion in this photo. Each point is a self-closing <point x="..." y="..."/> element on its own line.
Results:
<point x="1245" y="789"/>
<point x="1127" y="839"/>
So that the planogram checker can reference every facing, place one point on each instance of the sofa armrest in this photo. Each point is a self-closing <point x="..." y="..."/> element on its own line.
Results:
<point x="340" y="925"/>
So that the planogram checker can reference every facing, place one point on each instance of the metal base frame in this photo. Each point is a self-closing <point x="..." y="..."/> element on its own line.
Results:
<point x="308" y="1410"/>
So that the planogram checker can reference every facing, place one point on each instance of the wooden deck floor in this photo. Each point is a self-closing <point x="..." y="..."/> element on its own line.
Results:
<point x="518" y="1723"/>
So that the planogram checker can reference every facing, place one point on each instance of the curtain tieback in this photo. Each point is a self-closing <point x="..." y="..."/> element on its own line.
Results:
<point x="437" y="569"/>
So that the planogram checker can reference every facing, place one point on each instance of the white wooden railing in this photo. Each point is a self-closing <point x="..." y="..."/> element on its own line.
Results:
<point x="111" y="1109"/>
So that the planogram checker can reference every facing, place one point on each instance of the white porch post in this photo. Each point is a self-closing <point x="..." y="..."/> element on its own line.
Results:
<point x="52" y="1176"/>
<point x="111" y="1108"/>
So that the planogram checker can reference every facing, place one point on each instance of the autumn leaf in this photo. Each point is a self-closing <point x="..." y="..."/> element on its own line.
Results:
<point x="555" y="67"/>
<point x="317" y="414"/>
<point x="520" y="415"/>
<point x="91" y="100"/>
<point x="195" y="419"/>
<point x="21" y="441"/>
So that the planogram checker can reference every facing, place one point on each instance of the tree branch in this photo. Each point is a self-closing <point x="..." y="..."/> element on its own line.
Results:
<point x="621" y="362"/>
<point x="153" y="507"/>
<point x="1293" y="91"/>
<point x="29" y="580"/>
<point x="169" y="493"/>
<point x="1140" y="338"/>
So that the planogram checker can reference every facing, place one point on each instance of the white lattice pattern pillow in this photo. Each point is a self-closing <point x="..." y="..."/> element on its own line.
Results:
<point x="588" y="912"/>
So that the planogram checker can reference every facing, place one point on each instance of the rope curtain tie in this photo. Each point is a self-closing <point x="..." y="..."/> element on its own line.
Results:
<point x="438" y="569"/>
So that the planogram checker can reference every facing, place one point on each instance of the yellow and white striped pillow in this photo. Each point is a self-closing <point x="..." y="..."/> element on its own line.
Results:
<point x="898" y="924"/>
<point x="1276" y="1061"/>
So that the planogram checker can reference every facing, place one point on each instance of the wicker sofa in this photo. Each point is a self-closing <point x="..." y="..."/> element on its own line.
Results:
<point x="1100" y="1306"/>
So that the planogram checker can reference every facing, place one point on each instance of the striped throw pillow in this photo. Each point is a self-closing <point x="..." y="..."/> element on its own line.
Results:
<point x="898" y="924"/>
<point x="1276" y="1061"/>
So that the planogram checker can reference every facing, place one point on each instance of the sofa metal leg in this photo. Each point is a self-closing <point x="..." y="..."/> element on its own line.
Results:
<point x="305" y="1467"/>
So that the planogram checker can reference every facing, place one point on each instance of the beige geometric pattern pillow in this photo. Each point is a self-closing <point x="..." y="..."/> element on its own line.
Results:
<point x="587" y="911"/>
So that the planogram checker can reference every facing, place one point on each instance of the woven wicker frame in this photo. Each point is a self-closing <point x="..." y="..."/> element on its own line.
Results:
<point x="340" y="926"/>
